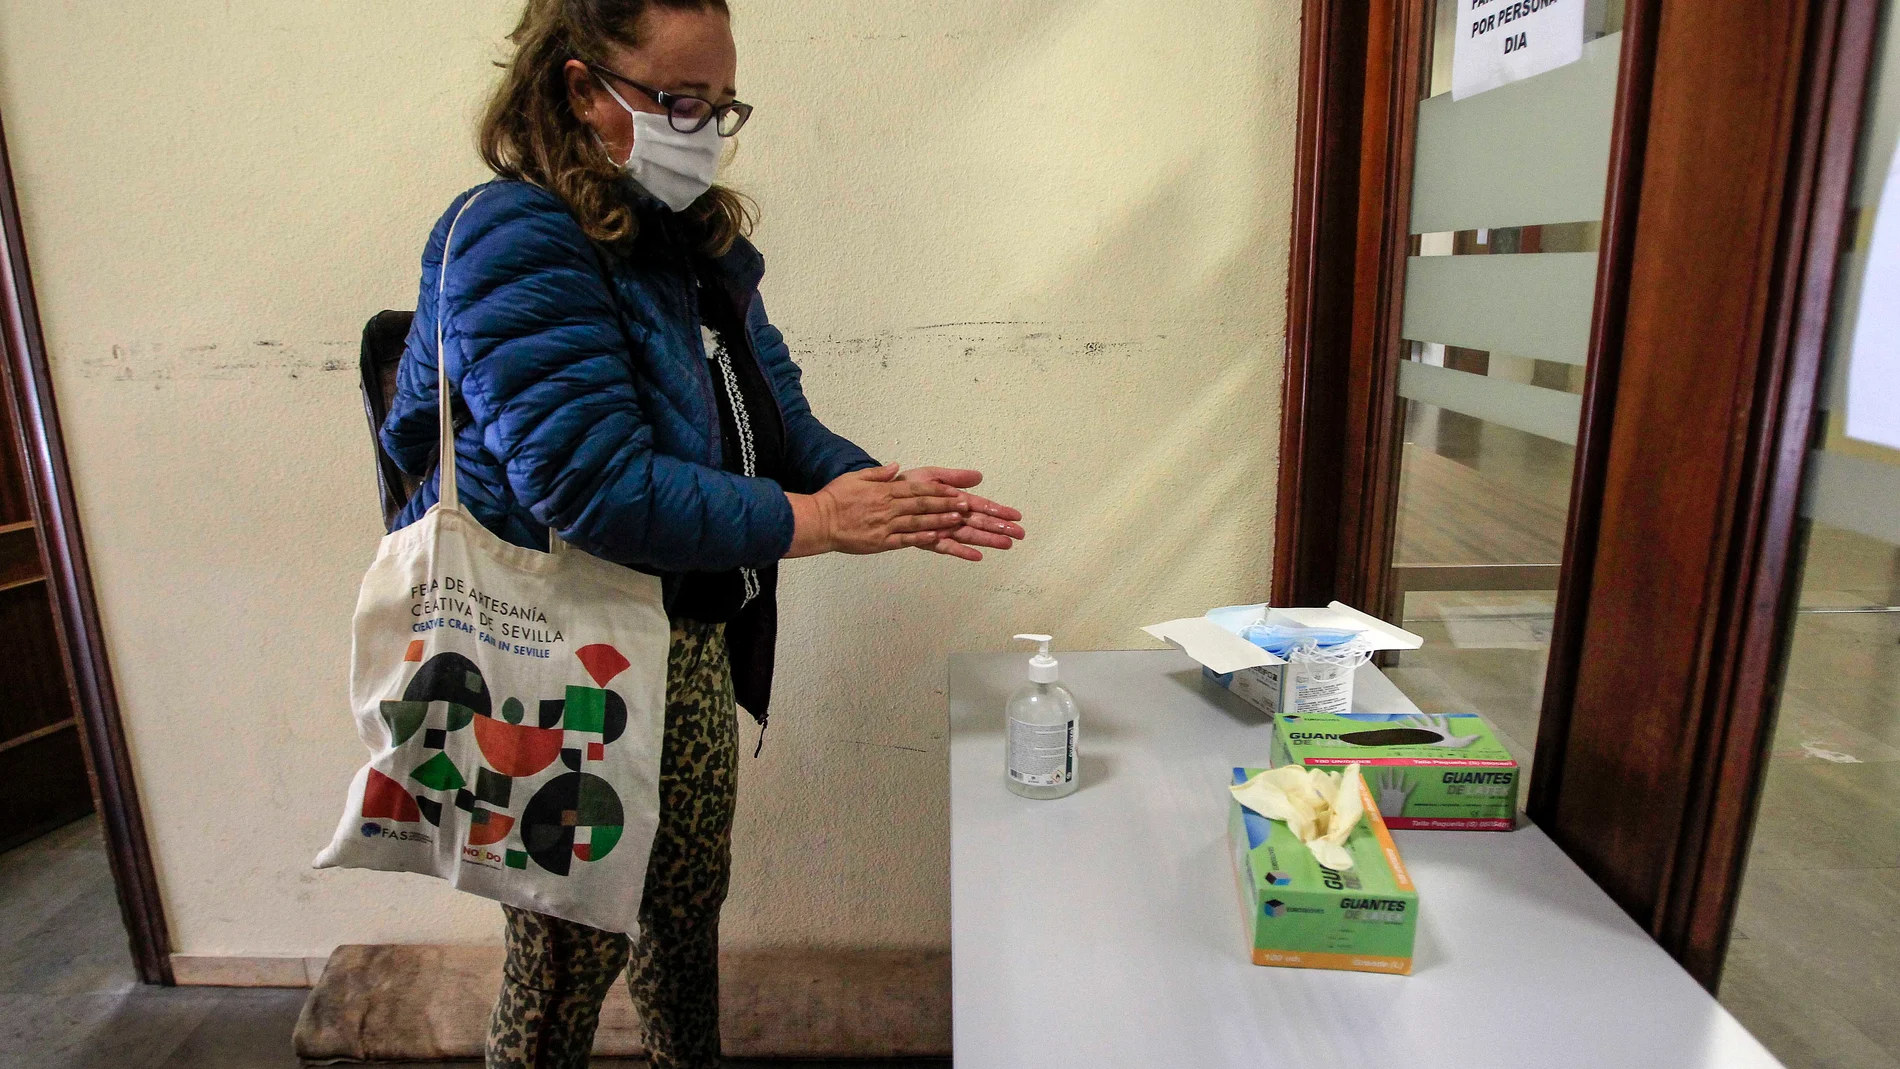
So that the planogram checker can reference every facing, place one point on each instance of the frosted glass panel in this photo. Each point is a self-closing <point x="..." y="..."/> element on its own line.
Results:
<point x="1549" y="414"/>
<point x="1507" y="201"/>
<point x="1533" y="152"/>
<point x="1525" y="305"/>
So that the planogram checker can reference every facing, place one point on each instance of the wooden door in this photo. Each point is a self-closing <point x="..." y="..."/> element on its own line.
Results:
<point x="42" y="766"/>
<point x="1730" y="132"/>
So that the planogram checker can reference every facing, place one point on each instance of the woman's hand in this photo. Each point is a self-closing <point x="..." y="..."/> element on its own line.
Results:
<point x="987" y="523"/>
<point x="872" y="511"/>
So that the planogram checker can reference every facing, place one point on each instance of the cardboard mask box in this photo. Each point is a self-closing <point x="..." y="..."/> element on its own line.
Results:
<point x="1435" y="772"/>
<point x="1300" y="914"/>
<point x="1264" y="680"/>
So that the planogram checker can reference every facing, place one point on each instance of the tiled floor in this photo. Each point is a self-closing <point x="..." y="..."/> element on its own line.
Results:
<point x="69" y="1000"/>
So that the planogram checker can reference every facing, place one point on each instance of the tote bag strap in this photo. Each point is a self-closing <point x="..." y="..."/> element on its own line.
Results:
<point x="445" y="431"/>
<point x="446" y="493"/>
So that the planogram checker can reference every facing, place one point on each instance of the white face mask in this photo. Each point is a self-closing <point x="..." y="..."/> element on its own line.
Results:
<point x="675" y="167"/>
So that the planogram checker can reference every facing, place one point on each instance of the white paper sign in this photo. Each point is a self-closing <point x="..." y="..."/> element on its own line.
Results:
<point x="1502" y="41"/>
<point x="1873" y="370"/>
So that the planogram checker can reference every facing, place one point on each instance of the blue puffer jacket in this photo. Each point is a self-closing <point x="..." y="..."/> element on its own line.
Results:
<point x="589" y="403"/>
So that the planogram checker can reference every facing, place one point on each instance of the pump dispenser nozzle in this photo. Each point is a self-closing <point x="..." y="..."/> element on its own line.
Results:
<point x="1042" y="667"/>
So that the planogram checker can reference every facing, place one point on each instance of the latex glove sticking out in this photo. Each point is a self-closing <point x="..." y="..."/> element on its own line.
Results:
<point x="1320" y="807"/>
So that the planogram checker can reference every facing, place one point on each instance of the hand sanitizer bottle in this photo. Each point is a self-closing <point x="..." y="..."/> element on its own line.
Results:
<point x="1042" y="729"/>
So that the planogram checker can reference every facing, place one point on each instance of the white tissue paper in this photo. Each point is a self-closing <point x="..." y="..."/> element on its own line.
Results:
<point x="1318" y="806"/>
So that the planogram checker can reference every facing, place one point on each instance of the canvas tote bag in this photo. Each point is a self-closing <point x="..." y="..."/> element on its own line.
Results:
<point x="513" y="703"/>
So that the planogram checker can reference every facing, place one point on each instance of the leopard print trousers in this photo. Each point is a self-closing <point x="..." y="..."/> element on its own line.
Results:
<point x="558" y="972"/>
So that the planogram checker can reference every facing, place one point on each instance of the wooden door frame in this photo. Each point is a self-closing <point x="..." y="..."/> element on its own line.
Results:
<point x="28" y="383"/>
<point x="1651" y="780"/>
<point x="1360" y="65"/>
<point x="1760" y="107"/>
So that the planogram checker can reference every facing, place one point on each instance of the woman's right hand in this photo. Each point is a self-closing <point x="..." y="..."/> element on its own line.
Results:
<point x="873" y="511"/>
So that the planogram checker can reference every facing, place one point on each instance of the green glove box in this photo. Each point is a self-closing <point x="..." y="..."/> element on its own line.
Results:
<point x="1423" y="772"/>
<point x="1303" y="915"/>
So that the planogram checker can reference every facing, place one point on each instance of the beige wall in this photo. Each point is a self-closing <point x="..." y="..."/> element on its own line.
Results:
<point x="1047" y="239"/>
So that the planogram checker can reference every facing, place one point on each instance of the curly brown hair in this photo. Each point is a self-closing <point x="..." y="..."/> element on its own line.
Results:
<point x="529" y="132"/>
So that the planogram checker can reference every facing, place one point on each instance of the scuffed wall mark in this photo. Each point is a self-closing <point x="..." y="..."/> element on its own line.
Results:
<point x="1044" y="346"/>
<point x="856" y="37"/>
<point x="980" y="323"/>
<point x="217" y="361"/>
<point x="884" y="746"/>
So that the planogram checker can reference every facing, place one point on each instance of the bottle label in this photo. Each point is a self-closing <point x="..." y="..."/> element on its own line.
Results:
<point x="1041" y="755"/>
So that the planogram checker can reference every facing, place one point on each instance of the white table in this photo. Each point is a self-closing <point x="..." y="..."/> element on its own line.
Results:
<point x="1102" y="929"/>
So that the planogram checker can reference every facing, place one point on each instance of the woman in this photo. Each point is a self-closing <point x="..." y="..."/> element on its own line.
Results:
<point x="615" y="378"/>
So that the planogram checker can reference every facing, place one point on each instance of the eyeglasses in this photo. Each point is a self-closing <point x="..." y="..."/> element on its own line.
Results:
<point x="688" y="114"/>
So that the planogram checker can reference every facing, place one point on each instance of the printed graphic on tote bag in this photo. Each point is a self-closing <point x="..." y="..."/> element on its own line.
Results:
<point x="451" y="745"/>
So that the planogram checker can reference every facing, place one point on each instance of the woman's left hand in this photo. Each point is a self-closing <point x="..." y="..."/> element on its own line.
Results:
<point x="988" y="523"/>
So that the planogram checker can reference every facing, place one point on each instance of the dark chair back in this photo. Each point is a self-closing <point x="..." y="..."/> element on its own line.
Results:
<point x="383" y="338"/>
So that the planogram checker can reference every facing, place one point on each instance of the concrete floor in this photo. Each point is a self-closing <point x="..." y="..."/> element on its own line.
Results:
<point x="69" y="999"/>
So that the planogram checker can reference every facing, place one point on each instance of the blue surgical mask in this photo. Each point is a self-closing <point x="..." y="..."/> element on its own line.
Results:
<point x="1282" y="639"/>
